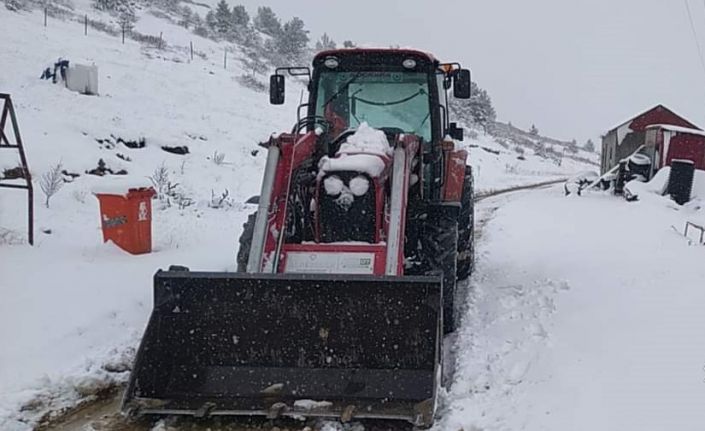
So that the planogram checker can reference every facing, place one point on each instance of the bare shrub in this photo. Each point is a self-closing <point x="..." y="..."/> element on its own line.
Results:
<point x="168" y="192"/>
<point x="218" y="158"/>
<point x="80" y="196"/>
<point x="51" y="182"/>
<point x="160" y="179"/>
<point x="222" y="201"/>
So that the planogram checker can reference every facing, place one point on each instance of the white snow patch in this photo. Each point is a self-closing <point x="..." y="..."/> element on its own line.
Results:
<point x="311" y="404"/>
<point x="117" y="185"/>
<point x="359" y="185"/>
<point x="367" y="140"/>
<point x="370" y="164"/>
<point x="333" y="185"/>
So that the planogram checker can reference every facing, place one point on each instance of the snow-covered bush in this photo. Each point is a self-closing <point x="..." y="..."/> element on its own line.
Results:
<point x="252" y="83"/>
<point x="51" y="182"/>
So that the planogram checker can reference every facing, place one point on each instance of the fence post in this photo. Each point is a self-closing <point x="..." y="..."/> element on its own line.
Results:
<point x="123" y="33"/>
<point x="160" y="40"/>
<point x="45" y="16"/>
<point x="191" y="44"/>
<point x="225" y="59"/>
<point x="85" y="25"/>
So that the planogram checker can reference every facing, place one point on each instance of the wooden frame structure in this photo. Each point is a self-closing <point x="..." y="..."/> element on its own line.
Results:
<point x="9" y="111"/>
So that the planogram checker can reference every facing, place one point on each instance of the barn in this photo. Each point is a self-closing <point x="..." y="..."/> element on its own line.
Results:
<point x="665" y="143"/>
<point x="623" y="140"/>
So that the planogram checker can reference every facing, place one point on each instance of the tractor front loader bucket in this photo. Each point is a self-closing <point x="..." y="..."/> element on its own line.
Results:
<point x="337" y="346"/>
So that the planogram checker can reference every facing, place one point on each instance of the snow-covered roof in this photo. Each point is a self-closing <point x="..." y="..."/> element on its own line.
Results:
<point x="634" y="117"/>
<point x="677" y="129"/>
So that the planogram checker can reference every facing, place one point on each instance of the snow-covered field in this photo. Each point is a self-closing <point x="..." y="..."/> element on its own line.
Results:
<point x="585" y="313"/>
<point x="72" y="309"/>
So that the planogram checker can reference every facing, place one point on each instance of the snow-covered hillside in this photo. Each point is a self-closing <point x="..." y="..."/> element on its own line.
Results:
<point x="73" y="308"/>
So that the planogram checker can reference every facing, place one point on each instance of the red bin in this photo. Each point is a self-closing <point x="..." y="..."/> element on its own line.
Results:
<point x="126" y="219"/>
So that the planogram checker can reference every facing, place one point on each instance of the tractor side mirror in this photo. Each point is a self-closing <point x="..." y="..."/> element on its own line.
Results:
<point x="276" y="89"/>
<point x="455" y="132"/>
<point x="461" y="84"/>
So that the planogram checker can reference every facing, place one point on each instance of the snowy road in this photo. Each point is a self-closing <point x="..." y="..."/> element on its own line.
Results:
<point x="103" y="415"/>
<point x="572" y="321"/>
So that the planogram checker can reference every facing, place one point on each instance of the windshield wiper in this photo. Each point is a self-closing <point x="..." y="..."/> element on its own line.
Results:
<point x="341" y="89"/>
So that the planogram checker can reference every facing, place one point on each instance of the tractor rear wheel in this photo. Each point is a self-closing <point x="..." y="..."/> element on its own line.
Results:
<point x="466" y="231"/>
<point x="243" y="254"/>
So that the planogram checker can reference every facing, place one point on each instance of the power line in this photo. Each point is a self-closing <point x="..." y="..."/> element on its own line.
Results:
<point x="695" y="34"/>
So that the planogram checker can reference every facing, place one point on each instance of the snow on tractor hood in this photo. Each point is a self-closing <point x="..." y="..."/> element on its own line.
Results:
<point x="367" y="151"/>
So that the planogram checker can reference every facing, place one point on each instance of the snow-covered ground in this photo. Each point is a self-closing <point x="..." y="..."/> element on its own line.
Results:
<point x="585" y="313"/>
<point x="73" y="308"/>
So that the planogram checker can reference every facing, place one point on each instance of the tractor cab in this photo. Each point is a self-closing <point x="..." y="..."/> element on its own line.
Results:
<point x="403" y="93"/>
<point x="398" y="91"/>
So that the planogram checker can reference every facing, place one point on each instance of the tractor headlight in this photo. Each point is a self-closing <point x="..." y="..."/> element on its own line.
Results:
<point x="409" y="63"/>
<point x="331" y="62"/>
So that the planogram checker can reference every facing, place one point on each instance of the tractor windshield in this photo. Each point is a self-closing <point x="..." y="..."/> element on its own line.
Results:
<point x="396" y="100"/>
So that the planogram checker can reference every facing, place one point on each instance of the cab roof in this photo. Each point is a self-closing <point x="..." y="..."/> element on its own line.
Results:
<point x="344" y="52"/>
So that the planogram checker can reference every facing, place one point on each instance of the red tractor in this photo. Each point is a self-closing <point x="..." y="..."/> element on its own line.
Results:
<point x="346" y="272"/>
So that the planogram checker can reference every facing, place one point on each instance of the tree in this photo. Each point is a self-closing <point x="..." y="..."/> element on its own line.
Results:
<point x="325" y="43"/>
<point x="186" y="17"/>
<point x="250" y="38"/>
<point x="292" y="41"/>
<point x="222" y="18"/>
<point x="534" y="131"/>
<point x="199" y="26"/>
<point x="477" y="110"/>
<point x="51" y="182"/>
<point x="267" y="22"/>
<point x="349" y="44"/>
<point x="211" y="22"/>
<point x="239" y="23"/>
<point x="589" y="146"/>
<point x="253" y="62"/>
<point x="240" y="17"/>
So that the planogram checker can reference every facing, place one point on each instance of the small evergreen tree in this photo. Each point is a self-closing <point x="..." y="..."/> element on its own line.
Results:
<point x="349" y="44"/>
<point x="186" y="17"/>
<point x="477" y="110"/>
<point x="222" y="18"/>
<point x="199" y="26"/>
<point x="240" y="23"/>
<point x="211" y="22"/>
<point x="292" y="41"/>
<point x="534" y="131"/>
<point x="240" y="17"/>
<point x="267" y="22"/>
<point x="325" y="43"/>
<point x="589" y="146"/>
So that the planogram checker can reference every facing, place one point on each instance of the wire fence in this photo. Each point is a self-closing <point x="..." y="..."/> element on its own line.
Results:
<point x="124" y="30"/>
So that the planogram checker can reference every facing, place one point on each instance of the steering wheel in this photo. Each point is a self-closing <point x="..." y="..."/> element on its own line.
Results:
<point x="314" y="121"/>
<point x="391" y="132"/>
